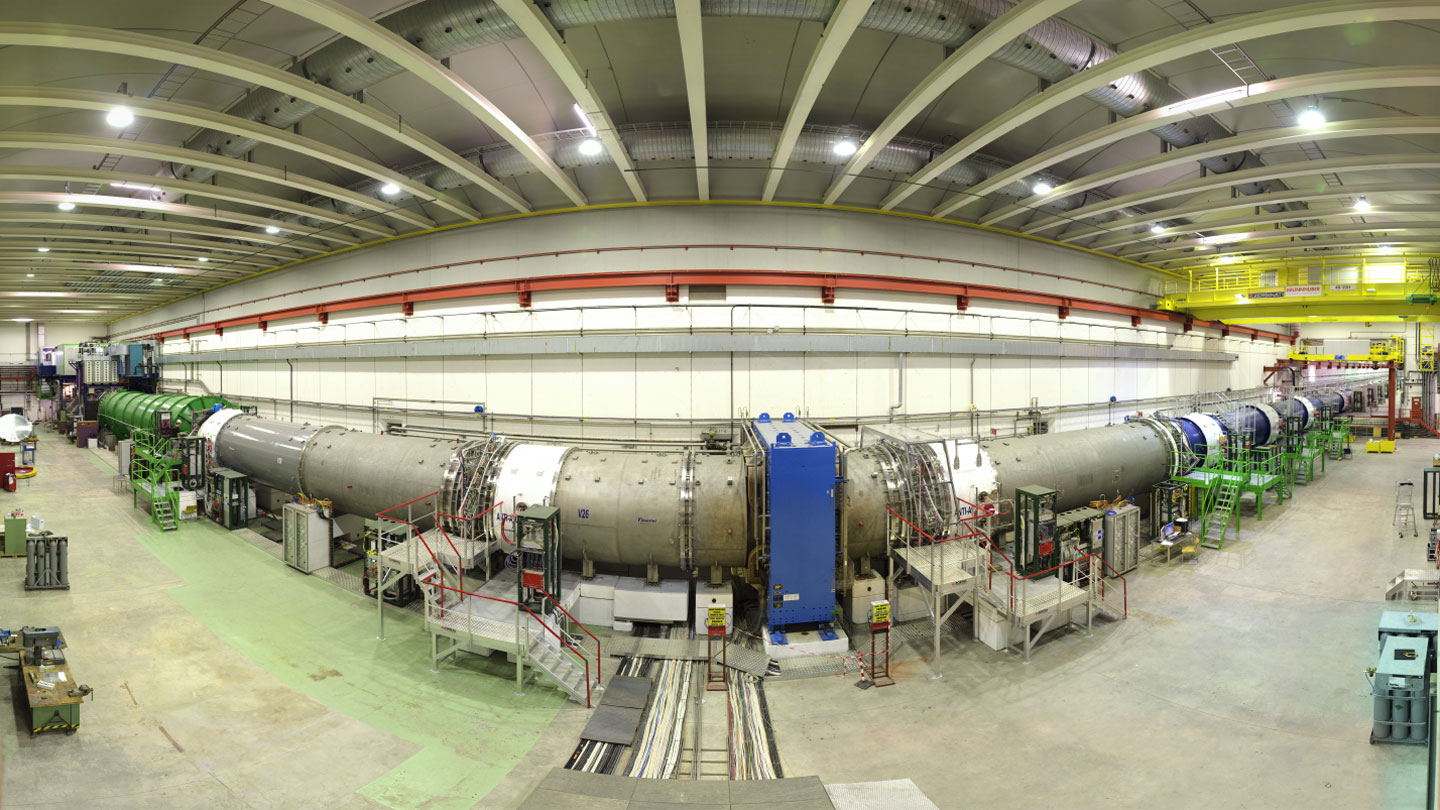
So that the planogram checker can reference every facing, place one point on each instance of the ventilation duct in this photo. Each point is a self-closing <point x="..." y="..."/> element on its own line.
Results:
<point x="443" y="28"/>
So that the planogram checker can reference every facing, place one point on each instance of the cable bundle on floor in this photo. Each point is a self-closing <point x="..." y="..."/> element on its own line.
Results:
<point x="657" y="751"/>
<point x="753" y="754"/>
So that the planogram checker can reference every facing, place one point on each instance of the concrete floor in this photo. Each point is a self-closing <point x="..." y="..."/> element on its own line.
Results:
<point x="224" y="680"/>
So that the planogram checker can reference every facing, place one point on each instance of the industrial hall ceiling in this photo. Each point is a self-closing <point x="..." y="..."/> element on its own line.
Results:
<point x="150" y="149"/>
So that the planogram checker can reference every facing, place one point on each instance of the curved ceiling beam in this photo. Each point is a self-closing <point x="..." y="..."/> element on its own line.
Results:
<point x="69" y="98"/>
<point x="844" y="21"/>
<point x="966" y="58"/>
<point x="62" y="249"/>
<point x="1307" y="251"/>
<point x="1256" y="240"/>
<point x="130" y="267"/>
<point x="1220" y="225"/>
<point x="24" y="172"/>
<point x="1212" y="182"/>
<point x="179" y="209"/>
<point x="1238" y="29"/>
<point x="145" y="46"/>
<point x="692" y="59"/>
<point x="175" y="154"/>
<point x="1337" y="81"/>
<point x="270" y="244"/>
<point x="206" y="246"/>
<point x="536" y="27"/>
<point x="1368" y="127"/>
<point x="422" y="66"/>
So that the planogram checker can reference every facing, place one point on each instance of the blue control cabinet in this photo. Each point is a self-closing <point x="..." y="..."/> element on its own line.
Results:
<point x="800" y="498"/>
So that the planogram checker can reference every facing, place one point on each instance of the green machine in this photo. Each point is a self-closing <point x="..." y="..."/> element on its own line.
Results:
<point x="1036" y="545"/>
<point x="16" y="529"/>
<point x="122" y="412"/>
<point x="537" y="541"/>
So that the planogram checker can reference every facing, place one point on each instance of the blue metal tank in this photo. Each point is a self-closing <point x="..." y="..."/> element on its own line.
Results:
<point x="1296" y="408"/>
<point x="1261" y="423"/>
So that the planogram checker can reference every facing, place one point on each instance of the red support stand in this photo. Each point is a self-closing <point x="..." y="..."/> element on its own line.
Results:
<point x="716" y="681"/>
<point x="880" y="676"/>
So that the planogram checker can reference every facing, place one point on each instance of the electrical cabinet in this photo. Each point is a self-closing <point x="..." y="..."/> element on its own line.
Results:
<point x="800" y="536"/>
<point x="1122" y="539"/>
<point x="307" y="537"/>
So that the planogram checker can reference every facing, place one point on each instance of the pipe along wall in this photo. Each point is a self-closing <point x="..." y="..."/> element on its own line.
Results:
<point x="692" y="509"/>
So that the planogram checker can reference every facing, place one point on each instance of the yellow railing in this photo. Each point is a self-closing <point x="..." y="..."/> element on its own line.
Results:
<point x="1342" y="271"/>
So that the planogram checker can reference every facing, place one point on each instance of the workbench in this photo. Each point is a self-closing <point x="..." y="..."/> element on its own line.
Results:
<point x="54" y="709"/>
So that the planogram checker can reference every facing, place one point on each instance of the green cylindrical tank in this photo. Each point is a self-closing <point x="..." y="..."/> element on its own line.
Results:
<point x="122" y="412"/>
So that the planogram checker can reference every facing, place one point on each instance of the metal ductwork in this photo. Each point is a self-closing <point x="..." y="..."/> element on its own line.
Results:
<point x="442" y="28"/>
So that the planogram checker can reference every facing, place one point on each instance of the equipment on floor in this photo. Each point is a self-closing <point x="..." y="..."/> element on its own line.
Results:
<point x="52" y="694"/>
<point x="1168" y="500"/>
<point x="1036" y="544"/>
<point x="228" y="498"/>
<point x="17" y="528"/>
<point x="1400" y="679"/>
<point x="537" y="545"/>
<point x="307" y="537"/>
<point x="15" y="428"/>
<point x="1405" y="509"/>
<point x="379" y="536"/>
<point x="1122" y="539"/>
<point x="47" y="562"/>
<point x="798" y="536"/>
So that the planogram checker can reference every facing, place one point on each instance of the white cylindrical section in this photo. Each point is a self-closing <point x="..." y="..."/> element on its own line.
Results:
<point x="527" y="478"/>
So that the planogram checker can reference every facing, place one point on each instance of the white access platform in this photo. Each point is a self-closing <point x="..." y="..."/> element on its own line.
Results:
<point x="490" y="620"/>
<point x="411" y="555"/>
<point x="944" y="567"/>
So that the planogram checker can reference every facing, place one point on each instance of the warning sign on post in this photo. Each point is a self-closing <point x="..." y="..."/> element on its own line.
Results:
<point x="880" y="612"/>
<point x="715" y="617"/>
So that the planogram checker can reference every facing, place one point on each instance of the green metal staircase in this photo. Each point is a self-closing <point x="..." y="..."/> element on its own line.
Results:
<point x="154" y="469"/>
<point x="1221" y="515"/>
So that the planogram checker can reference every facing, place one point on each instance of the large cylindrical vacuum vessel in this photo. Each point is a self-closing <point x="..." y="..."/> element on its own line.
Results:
<point x="689" y="509"/>
<point x="123" y="412"/>
<point x="1083" y="464"/>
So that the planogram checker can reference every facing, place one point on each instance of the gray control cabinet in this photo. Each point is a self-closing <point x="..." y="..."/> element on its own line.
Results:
<point x="307" y="537"/>
<point x="1122" y="539"/>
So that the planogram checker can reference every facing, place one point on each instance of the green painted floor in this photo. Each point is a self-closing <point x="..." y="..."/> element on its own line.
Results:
<point x="464" y="728"/>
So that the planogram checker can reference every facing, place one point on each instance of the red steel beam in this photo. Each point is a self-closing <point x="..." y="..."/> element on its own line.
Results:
<point x="524" y="287"/>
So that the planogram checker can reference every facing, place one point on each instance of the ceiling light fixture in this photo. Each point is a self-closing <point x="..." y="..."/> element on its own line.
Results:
<point x="1362" y="204"/>
<point x="591" y="147"/>
<point x="1042" y="188"/>
<point x="66" y="206"/>
<point x="845" y="147"/>
<point x="21" y="320"/>
<point x="120" y="117"/>
<point x="42" y="249"/>
<point x="1157" y="228"/>
<point x="203" y="259"/>
<point x="271" y="229"/>
<point x="1387" y="250"/>
<point x="1227" y="259"/>
<point x="1311" y="118"/>
<point x="389" y="189"/>
<point x="140" y="186"/>
<point x="29" y="275"/>
<point x="584" y="120"/>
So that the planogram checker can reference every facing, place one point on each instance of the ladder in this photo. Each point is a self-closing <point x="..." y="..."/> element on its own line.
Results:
<point x="163" y="511"/>
<point x="1217" y="523"/>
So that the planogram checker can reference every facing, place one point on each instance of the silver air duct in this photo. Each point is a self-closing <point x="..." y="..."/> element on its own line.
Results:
<point x="1051" y="50"/>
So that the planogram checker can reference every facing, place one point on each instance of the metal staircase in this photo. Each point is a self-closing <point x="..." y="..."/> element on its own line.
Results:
<point x="1217" y="522"/>
<point x="163" y="512"/>
<point x="558" y="664"/>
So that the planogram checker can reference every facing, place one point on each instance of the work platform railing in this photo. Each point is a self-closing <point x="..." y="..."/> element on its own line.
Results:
<point x="476" y="621"/>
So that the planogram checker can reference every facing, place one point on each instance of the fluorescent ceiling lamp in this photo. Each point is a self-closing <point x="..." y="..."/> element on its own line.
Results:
<point x="1311" y="118"/>
<point x="389" y="189"/>
<point x="140" y="186"/>
<point x="1042" y="188"/>
<point x="42" y="250"/>
<point x="66" y="206"/>
<point x="1157" y="228"/>
<point x="21" y="320"/>
<point x="29" y="275"/>
<point x="1387" y="250"/>
<point x="1362" y="204"/>
<point x="591" y="147"/>
<point x="585" y="120"/>
<point x="1221" y="238"/>
<point x="203" y="259"/>
<point x="40" y="294"/>
<point x="1227" y="259"/>
<point x="120" y="117"/>
<point x="1218" y="97"/>
<point x="845" y="147"/>
<point x="271" y="229"/>
<point x="78" y="311"/>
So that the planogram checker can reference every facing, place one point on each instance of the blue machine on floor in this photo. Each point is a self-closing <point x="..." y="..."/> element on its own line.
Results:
<point x="800" y="533"/>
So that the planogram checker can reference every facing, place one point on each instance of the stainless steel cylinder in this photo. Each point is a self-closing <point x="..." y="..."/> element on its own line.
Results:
<point x="263" y="449"/>
<point x="631" y="508"/>
<point x="363" y="473"/>
<point x="1083" y="465"/>
<point x="870" y="487"/>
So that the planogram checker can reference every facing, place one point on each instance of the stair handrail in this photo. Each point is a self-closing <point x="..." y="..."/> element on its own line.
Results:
<point x="598" y="657"/>
<point x="558" y="637"/>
